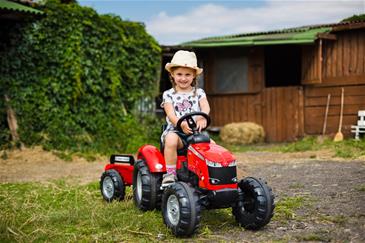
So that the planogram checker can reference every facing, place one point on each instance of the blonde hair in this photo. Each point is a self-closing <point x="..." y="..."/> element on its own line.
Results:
<point x="194" y="84"/>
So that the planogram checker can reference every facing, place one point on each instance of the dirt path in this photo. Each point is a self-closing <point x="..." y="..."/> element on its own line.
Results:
<point x="38" y="165"/>
<point x="332" y="190"/>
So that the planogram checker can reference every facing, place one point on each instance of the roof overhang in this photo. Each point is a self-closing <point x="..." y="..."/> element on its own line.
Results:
<point x="12" y="10"/>
<point x="297" y="36"/>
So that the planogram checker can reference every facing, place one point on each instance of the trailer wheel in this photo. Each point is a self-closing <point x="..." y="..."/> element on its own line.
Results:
<point x="181" y="209"/>
<point x="112" y="186"/>
<point x="146" y="187"/>
<point x="255" y="206"/>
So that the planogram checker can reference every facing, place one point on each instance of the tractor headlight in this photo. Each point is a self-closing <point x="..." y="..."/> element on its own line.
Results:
<point x="232" y="163"/>
<point x="214" y="181"/>
<point x="213" y="164"/>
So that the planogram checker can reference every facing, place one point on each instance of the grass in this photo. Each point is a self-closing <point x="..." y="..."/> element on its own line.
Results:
<point x="320" y="235"/>
<point x="348" y="148"/>
<point x="286" y="207"/>
<point x="61" y="212"/>
<point x="360" y="188"/>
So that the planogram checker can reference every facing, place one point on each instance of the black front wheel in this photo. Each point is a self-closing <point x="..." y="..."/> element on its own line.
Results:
<point x="255" y="206"/>
<point x="112" y="186"/>
<point x="181" y="209"/>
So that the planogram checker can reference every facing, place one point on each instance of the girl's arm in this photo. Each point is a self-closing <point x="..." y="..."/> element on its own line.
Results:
<point x="204" y="107"/>
<point x="170" y="113"/>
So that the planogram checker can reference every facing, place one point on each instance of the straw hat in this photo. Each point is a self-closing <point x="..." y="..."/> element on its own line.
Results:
<point x="184" y="59"/>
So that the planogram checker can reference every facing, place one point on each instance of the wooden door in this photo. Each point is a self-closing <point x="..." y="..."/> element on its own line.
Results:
<point x="282" y="113"/>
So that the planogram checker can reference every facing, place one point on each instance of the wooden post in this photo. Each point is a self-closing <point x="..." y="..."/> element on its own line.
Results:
<point x="12" y="122"/>
<point x="320" y="60"/>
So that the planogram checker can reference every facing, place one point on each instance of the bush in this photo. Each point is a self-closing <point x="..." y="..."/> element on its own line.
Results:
<point x="74" y="78"/>
<point x="242" y="133"/>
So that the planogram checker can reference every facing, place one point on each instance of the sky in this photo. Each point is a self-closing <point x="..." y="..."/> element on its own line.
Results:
<point x="173" y="22"/>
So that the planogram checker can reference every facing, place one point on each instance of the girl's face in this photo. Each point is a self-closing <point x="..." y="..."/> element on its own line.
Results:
<point x="183" y="78"/>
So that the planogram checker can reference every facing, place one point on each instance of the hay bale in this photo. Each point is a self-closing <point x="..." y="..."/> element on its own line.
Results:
<point x="242" y="133"/>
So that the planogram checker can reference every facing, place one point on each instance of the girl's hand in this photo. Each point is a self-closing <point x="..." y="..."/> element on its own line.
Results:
<point x="201" y="123"/>
<point x="185" y="127"/>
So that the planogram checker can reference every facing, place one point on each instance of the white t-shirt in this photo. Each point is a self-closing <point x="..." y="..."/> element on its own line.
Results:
<point x="183" y="103"/>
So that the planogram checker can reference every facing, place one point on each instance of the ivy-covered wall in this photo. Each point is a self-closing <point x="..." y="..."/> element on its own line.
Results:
<point x="73" y="78"/>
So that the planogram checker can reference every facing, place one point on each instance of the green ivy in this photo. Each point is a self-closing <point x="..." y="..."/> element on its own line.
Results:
<point x="74" y="78"/>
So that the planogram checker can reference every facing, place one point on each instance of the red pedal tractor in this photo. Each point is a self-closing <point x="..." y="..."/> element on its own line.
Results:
<point x="207" y="179"/>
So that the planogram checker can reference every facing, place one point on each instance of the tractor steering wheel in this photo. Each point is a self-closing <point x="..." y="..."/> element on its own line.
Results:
<point x="191" y="122"/>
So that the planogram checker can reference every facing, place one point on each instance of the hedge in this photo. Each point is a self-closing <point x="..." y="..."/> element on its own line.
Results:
<point x="74" y="78"/>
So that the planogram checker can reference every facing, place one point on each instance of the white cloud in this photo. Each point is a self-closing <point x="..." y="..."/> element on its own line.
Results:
<point x="213" y="19"/>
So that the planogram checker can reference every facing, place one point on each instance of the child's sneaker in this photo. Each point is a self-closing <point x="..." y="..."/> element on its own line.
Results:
<point x="168" y="179"/>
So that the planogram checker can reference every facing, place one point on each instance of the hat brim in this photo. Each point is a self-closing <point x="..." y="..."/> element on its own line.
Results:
<point x="169" y="66"/>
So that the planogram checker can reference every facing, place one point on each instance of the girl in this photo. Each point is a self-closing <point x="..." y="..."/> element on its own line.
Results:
<point x="184" y="97"/>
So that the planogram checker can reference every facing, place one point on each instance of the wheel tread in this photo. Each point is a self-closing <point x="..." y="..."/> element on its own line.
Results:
<point x="264" y="210"/>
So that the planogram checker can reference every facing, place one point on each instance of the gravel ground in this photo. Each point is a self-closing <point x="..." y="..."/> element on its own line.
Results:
<point x="333" y="193"/>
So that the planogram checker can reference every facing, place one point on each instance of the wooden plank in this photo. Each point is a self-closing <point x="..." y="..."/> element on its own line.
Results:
<point x="346" y="55"/>
<point x="339" y="51"/>
<point x="228" y="107"/>
<point x="334" y="110"/>
<point x="340" y="80"/>
<point x="326" y="58"/>
<point x="280" y="96"/>
<point x="301" y="112"/>
<point x="319" y="61"/>
<point x="309" y="60"/>
<point x="239" y="108"/>
<point x="353" y="55"/>
<point x="269" y="116"/>
<point x="335" y="100"/>
<point x="266" y="113"/>
<point x="274" y="112"/>
<point x="360" y="53"/>
<point x="214" y="111"/>
<point x="288" y="117"/>
<point x="251" y="109"/>
<point x="334" y="61"/>
<point x="332" y="67"/>
<point x="313" y="125"/>
<point x="324" y="91"/>
<point x="258" y="109"/>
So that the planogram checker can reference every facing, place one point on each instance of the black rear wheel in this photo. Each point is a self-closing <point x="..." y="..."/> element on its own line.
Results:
<point x="255" y="206"/>
<point x="112" y="186"/>
<point x="181" y="209"/>
<point x="146" y="187"/>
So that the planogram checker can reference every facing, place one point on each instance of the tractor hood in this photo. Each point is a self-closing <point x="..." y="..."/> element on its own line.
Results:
<point x="213" y="152"/>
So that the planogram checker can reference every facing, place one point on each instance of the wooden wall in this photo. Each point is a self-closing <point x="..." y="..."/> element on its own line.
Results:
<point x="315" y="105"/>
<point x="344" y="56"/>
<point x="329" y="61"/>
<point x="283" y="113"/>
<point x="235" y="108"/>
<point x="279" y="110"/>
<point x="343" y="65"/>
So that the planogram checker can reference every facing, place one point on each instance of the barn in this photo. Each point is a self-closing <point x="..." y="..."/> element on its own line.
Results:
<point x="283" y="79"/>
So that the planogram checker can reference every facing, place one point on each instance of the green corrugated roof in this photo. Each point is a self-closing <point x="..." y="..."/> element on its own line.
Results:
<point x="7" y="5"/>
<point x="290" y="36"/>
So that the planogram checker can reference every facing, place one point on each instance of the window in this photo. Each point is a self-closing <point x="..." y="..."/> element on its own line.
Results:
<point x="229" y="74"/>
<point x="282" y="65"/>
